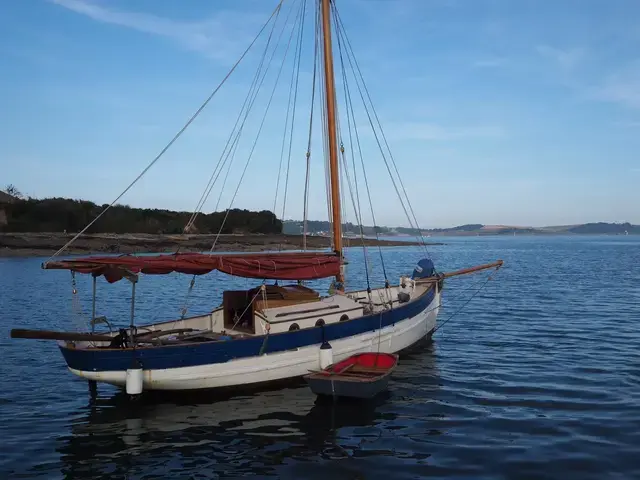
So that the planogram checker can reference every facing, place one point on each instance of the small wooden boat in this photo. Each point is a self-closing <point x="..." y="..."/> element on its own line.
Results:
<point x="360" y="376"/>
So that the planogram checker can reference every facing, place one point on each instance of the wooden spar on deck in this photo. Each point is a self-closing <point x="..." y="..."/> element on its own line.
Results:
<point x="90" y="337"/>
<point x="51" y="335"/>
<point x="465" y="271"/>
<point x="330" y="96"/>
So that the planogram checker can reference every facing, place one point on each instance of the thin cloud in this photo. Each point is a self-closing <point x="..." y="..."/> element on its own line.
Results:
<point x="566" y="59"/>
<point x="217" y="37"/>
<point x="627" y="124"/>
<point x="489" y="63"/>
<point x="622" y="87"/>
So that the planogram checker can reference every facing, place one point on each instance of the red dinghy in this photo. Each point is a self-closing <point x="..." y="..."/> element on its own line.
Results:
<point x="360" y="376"/>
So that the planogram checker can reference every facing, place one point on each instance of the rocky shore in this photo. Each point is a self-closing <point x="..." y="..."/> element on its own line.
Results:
<point x="41" y="244"/>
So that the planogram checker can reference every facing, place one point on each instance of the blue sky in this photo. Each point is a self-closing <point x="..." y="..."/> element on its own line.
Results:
<point x="497" y="112"/>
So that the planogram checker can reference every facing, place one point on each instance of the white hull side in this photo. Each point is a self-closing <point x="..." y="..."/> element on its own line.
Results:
<point x="281" y="365"/>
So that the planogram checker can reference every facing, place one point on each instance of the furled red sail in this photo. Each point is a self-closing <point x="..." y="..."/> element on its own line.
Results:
<point x="276" y="266"/>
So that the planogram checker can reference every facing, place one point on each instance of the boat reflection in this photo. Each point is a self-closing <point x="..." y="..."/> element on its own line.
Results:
<point x="227" y="435"/>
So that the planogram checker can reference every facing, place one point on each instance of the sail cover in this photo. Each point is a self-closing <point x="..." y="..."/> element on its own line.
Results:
<point x="276" y="266"/>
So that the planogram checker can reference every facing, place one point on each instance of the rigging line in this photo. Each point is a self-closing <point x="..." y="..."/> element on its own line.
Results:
<point x="226" y="175"/>
<point x="239" y="133"/>
<point x="212" y="181"/>
<point x="341" y="166"/>
<point x="173" y="140"/>
<point x="232" y="149"/>
<point x="230" y="152"/>
<point x="356" y="206"/>
<point x="295" y="100"/>
<point x="384" y="137"/>
<point x="360" y="90"/>
<point x="286" y="121"/>
<point x="256" y="140"/>
<point x="438" y="327"/>
<point x="351" y="55"/>
<point x="419" y="235"/>
<point x="381" y="150"/>
<point x="308" y="155"/>
<point x="366" y="181"/>
<point x="248" y="306"/>
<point x="251" y="97"/>
<point x="452" y="297"/>
<point x="344" y="215"/>
<point x="325" y="137"/>
<point x="325" y="130"/>
<point x="348" y="182"/>
<point x="236" y="141"/>
<point x="364" y="171"/>
<point x="341" y="173"/>
<point x="355" y="176"/>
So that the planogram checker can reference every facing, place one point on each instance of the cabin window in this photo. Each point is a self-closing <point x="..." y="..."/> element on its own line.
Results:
<point x="294" y="326"/>
<point x="344" y="317"/>
<point x="319" y="322"/>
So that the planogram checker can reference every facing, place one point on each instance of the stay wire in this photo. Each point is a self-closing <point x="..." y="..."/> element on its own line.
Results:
<point x="246" y="166"/>
<point x="356" y="206"/>
<point x="350" y="56"/>
<point x="224" y="156"/>
<point x="439" y="326"/>
<point x="364" y="172"/>
<point x="286" y="122"/>
<point x="308" y="154"/>
<point x="236" y="141"/>
<point x="325" y="131"/>
<point x="232" y="143"/>
<point x="295" y="100"/>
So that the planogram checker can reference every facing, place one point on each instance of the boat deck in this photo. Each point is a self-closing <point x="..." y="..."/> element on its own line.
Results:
<point x="263" y="310"/>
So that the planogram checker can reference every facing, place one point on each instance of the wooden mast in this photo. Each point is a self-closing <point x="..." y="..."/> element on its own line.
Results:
<point x="330" y="95"/>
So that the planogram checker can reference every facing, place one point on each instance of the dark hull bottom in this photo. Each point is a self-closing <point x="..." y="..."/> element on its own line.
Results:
<point x="341" y="388"/>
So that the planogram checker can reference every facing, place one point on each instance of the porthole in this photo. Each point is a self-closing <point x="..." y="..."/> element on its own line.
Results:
<point x="319" y="322"/>
<point x="294" y="326"/>
<point x="344" y="317"/>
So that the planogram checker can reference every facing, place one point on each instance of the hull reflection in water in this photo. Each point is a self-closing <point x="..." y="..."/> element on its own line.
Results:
<point x="258" y="434"/>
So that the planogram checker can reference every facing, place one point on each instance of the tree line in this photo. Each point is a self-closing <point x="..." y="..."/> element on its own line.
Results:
<point x="63" y="214"/>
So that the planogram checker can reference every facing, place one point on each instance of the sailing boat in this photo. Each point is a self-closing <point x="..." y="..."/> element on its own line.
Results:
<point x="269" y="332"/>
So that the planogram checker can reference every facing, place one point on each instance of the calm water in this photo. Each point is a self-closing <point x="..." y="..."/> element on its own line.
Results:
<point x="538" y="377"/>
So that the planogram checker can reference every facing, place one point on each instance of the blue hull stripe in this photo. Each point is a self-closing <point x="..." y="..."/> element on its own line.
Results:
<point x="176" y="356"/>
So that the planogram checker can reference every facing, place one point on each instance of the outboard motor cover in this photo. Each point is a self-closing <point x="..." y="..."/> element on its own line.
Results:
<point x="424" y="269"/>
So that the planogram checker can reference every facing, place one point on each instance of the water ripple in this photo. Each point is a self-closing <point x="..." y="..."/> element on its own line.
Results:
<point x="538" y="377"/>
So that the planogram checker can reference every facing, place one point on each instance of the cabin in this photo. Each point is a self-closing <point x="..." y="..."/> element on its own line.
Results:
<point x="283" y="308"/>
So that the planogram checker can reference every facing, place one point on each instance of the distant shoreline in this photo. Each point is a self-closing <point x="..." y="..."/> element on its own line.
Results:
<point x="42" y="244"/>
<point x="510" y="234"/>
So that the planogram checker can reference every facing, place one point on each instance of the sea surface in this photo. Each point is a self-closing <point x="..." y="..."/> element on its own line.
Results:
<point x="538" y="376"/>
